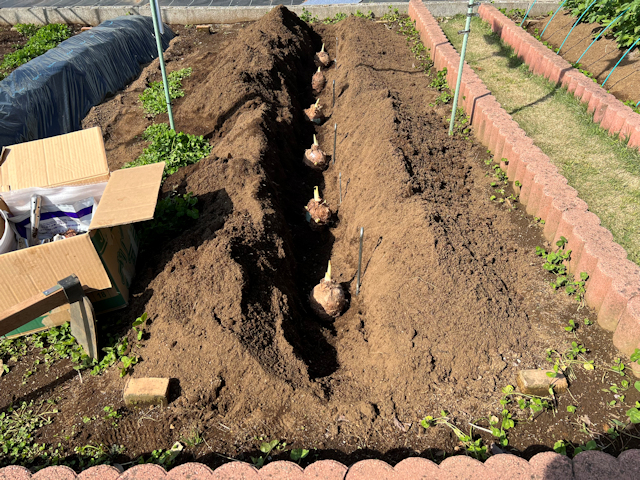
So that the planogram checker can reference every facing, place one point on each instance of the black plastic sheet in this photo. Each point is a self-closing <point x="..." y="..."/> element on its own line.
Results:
<point x="51" y="94"/>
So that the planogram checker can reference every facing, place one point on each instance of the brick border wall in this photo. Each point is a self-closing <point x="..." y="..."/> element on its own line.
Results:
<point x="590" y="465"/>
<point x="608" y="111"/>
<point x="613" y="287"/>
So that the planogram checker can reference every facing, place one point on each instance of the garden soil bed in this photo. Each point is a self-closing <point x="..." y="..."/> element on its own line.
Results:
<point x="453" y="300"/>
<point x="601" y="57"/>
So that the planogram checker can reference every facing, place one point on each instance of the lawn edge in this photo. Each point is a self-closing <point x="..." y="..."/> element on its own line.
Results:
<point x="613" y="288"/>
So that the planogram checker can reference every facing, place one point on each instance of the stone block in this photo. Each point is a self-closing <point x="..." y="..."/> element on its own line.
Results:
<point x="537" y="382"/>
<point x="146" y="391"/>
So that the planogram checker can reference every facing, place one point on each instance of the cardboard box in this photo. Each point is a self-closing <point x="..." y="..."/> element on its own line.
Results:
<point x="104" y="258"/>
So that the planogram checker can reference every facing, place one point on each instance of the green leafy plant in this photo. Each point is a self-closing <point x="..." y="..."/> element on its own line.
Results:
<point x="626" y="30"/>
<point x="554" y="263"/>
<point x="297" y="454"/>
<point x="27" y="29"/>
<point x="166" y="458"/>
<point x="335" y="19"/>
<point x="267" y="448"/>
<point x="474" y="447"/>
<point x="173" y="215"/>
<point x="41" y="39"/>
<point x="368" y="16"/>
<point x="137" y="322"/>
<point x="176" y="149"/>
<point x="307" y="17"/>
<point x="154" y="99"/>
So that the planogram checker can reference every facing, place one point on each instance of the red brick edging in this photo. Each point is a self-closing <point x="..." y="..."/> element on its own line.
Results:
<point x="543" y="466"/>
<point x="614" y="281"/>
<point x="608" y="111"/>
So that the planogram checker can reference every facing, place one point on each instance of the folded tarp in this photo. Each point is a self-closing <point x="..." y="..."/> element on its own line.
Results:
<point x="51" y="94"/>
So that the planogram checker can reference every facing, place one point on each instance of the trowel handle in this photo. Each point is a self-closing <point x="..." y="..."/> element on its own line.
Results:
<point x="25" y="311"/>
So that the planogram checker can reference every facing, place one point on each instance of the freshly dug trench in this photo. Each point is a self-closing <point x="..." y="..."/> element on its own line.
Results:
<point x="318" y="212"/>
<point x="314" y="157"/>
<point x="314" y="112"/>
<point x="322" y="58"/>
<point x="327" y="298"/>
<point x="318" y="82"/>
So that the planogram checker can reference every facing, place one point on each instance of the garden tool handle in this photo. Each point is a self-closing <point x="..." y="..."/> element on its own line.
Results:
<point x="33" y="307"/>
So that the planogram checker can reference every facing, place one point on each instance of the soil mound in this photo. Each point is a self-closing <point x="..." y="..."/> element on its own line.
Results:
<point x="440" y="319"/>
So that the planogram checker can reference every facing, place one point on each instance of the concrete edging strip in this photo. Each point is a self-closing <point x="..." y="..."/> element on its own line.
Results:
<point x="613" y="287"/>
<point x="94" y="15"/>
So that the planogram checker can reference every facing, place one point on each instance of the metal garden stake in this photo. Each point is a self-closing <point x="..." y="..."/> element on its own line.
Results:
<point x="359" y="261"/>
<point x="340" y="186"/>
<point x="158" y="28"/>
<point x="335" y="136"/>
<point x="466" y="31"/>
<point x="334" y="94"/>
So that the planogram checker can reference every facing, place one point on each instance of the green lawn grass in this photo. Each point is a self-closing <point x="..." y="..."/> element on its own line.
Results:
<point x="600" y="167"/>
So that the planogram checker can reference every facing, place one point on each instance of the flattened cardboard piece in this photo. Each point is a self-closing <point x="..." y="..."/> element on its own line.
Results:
<point x="25" y="273"/>
<point x="131" y="196"/>
<point x="73" y="158"/>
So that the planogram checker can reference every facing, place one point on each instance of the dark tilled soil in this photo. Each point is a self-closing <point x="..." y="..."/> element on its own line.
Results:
<point x="453" y="300"/>
<point x="624" y="83"/>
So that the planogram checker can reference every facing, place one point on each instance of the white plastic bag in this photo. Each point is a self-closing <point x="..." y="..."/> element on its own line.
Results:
<point x="7" y="239"/>
<point x="55" y="220"/>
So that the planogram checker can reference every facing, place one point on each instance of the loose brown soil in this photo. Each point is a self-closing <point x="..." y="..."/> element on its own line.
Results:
<point x="453" y="300"/>
<point x="624" y="83"/>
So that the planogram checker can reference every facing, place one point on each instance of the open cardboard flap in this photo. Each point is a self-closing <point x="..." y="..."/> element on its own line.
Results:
<point x="77" y="157"/>
<point x="27" y="272"/>
<point x="131" y="196"/>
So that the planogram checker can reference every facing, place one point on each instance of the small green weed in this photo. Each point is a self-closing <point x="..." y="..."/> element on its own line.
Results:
<point x="176" y="149"/>
<point x="473" y="447"/>
<point x="297" y="454"/>
<point x="335" y="19"/>
<point x="554" y="263"/>
<point x="166" y="458"/>
<point x="153" y="98"/>
<point x="267" y="448"/>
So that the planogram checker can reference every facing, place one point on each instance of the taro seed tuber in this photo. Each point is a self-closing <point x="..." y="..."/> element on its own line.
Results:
<point x="322" y="58"/>
<point x="314" y="112"/>
<point x="318" y="212"/>
<point x="314" y="157"/>
<point x="318" y="81"/>
<point x="327" y="298"/>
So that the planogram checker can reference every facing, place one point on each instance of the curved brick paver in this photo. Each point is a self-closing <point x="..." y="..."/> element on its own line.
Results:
<point x="592" y="465"/>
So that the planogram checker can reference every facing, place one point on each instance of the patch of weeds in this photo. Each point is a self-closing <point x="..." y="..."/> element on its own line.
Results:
<point x="632" y="104"/>
<point x="194" y="439"/>
<point x="440" y="83"/>
<point x="368" y="16"/>
<point x="473" y="447"/>
<point x="173" y="215"/>
<point x="407" y="27"/>
<point x="462" y="123"/>
<point x="153" y="98"/>
<point x="176" y="149"/>
<point x="92" y="455"/>
<point x="307" y="17"/>
<point x="41" y="39"/>
<point x="17" y="430"/>
<point x="166" y="458"/>
<point x="112" y="415"/>
<point x="27" y="29"/>
<point x="554" y="263"/>
<point x="267" y="448"/>
<point x="335" y="19"/>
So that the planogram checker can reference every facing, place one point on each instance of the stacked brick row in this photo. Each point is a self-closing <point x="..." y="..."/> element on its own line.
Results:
<point x="614" y="281"/>
<point x="590" y="465"/>
<point x="608" y="111"/>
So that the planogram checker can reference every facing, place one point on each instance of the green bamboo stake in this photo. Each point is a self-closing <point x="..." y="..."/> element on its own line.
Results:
<point x="466" y="31"/>
<point x="156" y="28"/>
